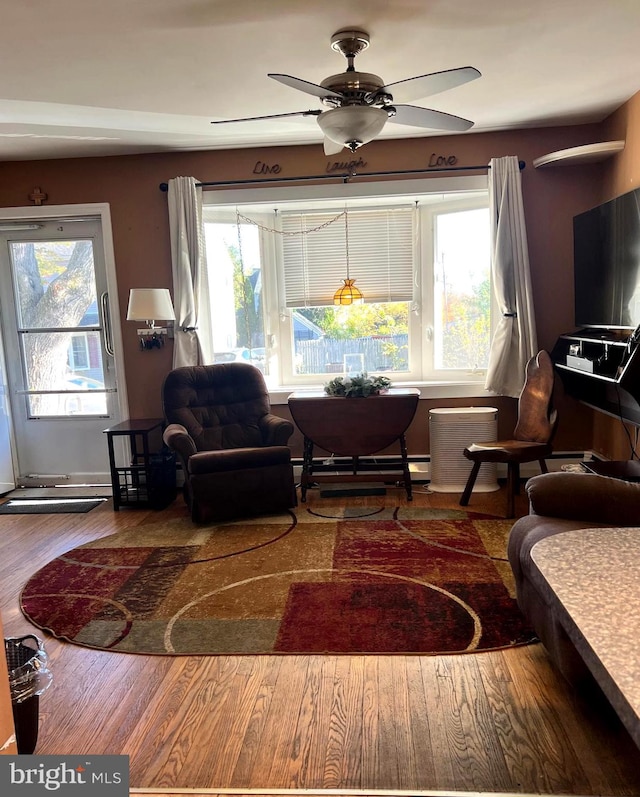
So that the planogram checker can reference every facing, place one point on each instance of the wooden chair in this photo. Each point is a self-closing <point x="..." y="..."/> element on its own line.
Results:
<point x="532" y="436"/>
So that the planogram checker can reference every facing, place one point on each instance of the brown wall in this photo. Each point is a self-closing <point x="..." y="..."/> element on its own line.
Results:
<point x="130" y="185"/>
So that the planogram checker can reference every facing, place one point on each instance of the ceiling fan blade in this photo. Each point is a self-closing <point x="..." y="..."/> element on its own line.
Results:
<point x="304" y="85"/>
<point x="332" y="147"/>
<point x="415" y="88"/>
<point x="269" y="116"/>
<point x="425" y="117"/>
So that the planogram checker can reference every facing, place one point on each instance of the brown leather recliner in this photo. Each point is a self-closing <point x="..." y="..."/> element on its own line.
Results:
<point x="232" y="449"/>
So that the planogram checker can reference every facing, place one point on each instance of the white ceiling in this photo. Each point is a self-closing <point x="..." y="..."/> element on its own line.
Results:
<point x="107" y="77"/>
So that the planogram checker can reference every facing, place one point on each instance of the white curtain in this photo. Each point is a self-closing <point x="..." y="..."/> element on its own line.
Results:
<point x="190" y="291"/>
<point x="515" y="340"/>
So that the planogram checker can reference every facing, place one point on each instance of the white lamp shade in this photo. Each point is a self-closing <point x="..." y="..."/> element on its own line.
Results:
<point x="150" y="304"/>
<point x="352" y="123"/>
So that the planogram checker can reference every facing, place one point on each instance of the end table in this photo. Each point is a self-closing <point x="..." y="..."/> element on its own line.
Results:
<point x="149" y="480"/>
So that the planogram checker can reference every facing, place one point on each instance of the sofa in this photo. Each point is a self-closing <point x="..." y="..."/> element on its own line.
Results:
<point x="560" y="502"/>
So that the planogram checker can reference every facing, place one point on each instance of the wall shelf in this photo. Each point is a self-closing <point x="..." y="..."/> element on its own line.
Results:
<point x="588" y="153"/>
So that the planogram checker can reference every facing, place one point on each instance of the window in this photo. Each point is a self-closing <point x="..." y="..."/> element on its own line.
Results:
<point x="461" y="289"/>
<point x="420" y="260"/>
<point x="234" y="268"/>
<point x="376" y="245"/>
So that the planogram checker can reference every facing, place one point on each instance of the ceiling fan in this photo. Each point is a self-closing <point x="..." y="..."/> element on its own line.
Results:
<point x="359" y="104"/>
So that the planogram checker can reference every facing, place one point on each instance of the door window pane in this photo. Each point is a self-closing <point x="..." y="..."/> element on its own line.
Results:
<point x="55" y="283"/>
<point x="56" y="291"/>
<point x="43" y="351"/>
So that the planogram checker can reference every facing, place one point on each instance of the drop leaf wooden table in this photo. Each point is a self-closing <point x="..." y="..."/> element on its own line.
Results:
<point x="354" y="428"/>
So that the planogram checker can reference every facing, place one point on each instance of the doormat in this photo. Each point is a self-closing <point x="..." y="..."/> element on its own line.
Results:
<point x="346" y="579"/>
<point x="48" y="506"/>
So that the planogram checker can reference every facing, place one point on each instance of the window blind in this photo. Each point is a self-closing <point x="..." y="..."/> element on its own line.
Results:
<point x="381" y="255"/>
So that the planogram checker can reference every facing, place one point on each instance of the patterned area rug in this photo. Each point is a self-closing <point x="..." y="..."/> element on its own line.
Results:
<point x="320" y="580"/>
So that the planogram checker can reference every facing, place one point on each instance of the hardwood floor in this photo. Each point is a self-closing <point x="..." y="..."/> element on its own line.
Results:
<point x="491" y="722"/>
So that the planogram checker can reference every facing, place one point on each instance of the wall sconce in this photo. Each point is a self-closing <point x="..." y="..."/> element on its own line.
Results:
<point x="151" y="304"/>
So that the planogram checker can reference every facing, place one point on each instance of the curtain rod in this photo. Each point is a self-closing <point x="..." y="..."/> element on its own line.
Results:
<point x="344" y="177"/>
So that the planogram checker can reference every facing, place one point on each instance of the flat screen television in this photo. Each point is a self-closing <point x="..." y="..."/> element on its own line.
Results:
<point x="606" y="259"/>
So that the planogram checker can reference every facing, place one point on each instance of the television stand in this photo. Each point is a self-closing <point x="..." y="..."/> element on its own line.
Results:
<point x="600" y="368"/>
<point x="627" y="470"/>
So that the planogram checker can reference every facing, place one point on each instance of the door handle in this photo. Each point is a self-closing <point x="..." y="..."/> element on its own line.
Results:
<point x="106" y="324"/>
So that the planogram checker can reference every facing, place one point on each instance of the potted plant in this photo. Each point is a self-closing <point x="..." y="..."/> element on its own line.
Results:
<point x="358" y="386"/>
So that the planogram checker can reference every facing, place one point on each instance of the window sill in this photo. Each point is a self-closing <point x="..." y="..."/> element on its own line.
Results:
<point x="428" y="390"/>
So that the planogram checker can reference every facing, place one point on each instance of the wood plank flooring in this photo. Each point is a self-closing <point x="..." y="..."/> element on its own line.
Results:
<point x="495" y="722"/>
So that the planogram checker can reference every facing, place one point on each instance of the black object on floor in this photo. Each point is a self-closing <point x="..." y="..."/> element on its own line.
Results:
<point x="339" y="492"/>
<point x="48" y="506"/>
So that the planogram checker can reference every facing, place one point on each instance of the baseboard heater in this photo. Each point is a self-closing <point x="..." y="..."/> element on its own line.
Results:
<point x="421" y="465"/>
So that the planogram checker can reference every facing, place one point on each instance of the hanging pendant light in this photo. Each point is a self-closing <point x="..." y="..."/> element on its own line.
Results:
<point x="347" y="293"/>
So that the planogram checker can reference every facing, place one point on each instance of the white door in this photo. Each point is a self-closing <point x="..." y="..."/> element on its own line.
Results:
<point x="7" y="474"/>
<point x="60" y="364"/>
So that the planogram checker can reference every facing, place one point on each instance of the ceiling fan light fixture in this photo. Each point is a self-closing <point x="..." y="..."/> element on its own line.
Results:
<point x="361" y="102"/>
<point x="352" y="125"/>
